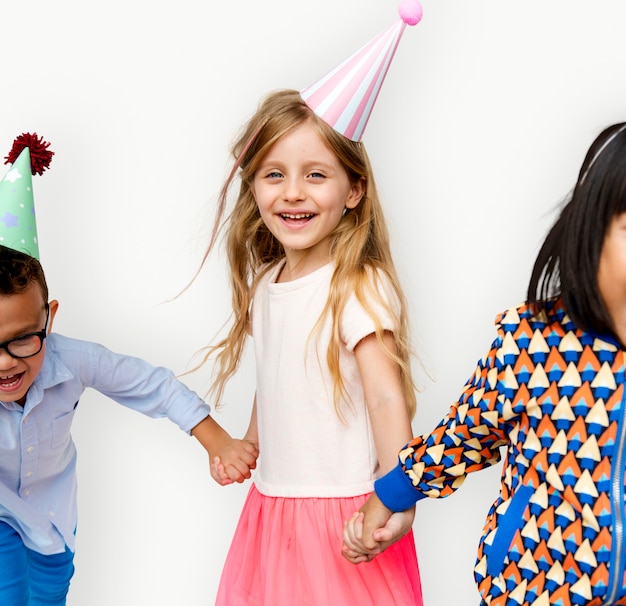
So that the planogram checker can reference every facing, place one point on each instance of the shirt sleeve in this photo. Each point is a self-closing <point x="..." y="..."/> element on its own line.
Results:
<point x="466" y="440"/>
<point x="357" y="322"/>
<point x="151" y="390"/>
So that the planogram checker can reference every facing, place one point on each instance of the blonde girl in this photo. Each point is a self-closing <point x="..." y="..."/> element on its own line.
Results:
<point x="314" y="284"/>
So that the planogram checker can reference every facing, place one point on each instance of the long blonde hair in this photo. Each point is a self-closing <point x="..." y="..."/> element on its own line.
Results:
<point x="359" y="244"/>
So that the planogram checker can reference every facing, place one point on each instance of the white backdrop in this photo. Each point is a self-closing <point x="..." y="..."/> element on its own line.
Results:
<point x="478" y="133"/>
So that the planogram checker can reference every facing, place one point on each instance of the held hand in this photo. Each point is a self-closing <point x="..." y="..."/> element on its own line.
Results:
<point x="396" y="527"/>
<point x="373" y="529"/>
<point x="218" y="473"/>
<point x="375" y="516"/>
<point x="353" y="549"/>
<point x="234" y="461"/>
<point x="359" y="542"/>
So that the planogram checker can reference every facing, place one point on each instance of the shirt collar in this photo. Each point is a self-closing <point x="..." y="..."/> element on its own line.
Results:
<point x="53" y="372"/>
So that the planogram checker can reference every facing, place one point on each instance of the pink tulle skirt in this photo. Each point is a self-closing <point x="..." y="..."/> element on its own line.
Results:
<point x="287" y="552"/>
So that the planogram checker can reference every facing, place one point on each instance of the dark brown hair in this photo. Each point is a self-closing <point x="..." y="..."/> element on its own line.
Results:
<point x="19" y="271"/>
<point x="567" y="264"/>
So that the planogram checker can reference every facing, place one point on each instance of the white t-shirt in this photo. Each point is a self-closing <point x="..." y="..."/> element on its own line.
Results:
<point x="305" y="448"/>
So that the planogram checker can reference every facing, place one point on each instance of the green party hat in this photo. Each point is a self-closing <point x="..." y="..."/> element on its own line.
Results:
<point x="18" y="226"/>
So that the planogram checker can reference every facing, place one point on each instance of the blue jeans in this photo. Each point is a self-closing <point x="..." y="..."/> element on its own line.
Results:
<point x="28" y="578"/>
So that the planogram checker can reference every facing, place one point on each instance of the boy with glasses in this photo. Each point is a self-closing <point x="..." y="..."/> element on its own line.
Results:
<point x="42" y="376"/>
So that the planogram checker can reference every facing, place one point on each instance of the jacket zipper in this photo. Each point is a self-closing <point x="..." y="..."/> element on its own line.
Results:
<point x="617" y="498"/>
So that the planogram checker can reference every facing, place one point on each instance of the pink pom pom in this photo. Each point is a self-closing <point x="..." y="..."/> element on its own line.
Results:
<point x="410" y="11"/>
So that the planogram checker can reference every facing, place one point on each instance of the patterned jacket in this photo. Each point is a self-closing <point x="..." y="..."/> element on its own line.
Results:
<point x="552" y="398"/>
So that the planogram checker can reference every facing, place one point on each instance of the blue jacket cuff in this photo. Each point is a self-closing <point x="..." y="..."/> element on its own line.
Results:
<point x="396" y="491"/>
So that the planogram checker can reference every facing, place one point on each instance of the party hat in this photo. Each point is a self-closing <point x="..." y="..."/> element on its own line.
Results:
<point x="18" y="227"/>
<point x="344" y="97"/>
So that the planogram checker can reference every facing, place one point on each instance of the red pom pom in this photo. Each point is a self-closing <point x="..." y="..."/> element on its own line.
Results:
<point x="40" y="155"/>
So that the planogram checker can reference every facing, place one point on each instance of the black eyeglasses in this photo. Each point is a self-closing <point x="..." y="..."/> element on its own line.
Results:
<point x="28" y="345"/>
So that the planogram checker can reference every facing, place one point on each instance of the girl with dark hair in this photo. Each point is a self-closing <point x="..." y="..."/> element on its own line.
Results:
<point x="549" y="397"/>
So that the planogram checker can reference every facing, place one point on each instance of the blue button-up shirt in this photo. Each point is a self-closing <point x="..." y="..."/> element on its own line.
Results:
<point x="37" y="453"/>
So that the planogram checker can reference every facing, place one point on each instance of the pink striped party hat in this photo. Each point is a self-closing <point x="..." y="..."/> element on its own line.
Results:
<point x="344" y="97"/>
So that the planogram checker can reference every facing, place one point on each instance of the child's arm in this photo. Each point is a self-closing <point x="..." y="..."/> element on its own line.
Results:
<point x="382" y="388"/>
<point x="469" y="436"/>
<point x="391" y="426"/>
<point x="238" y="457"/>
<point x="219" y="465"/>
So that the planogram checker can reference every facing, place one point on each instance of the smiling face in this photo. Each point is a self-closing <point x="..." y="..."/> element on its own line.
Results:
<point x="302" y="191"/>
<point x="20" y="314"/>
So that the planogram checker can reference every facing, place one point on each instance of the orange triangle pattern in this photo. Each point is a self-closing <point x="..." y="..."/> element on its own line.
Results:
<point x="550" y="395"/>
